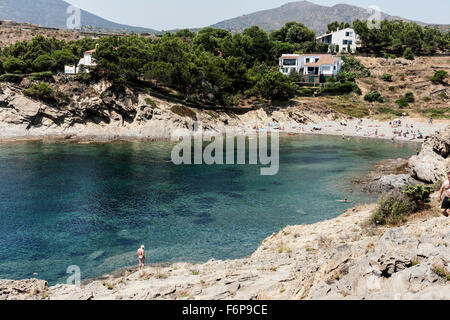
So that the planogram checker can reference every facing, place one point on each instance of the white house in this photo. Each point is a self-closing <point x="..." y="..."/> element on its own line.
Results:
<point x="314" y="68"/>
<point x="341" y="38"/>
<point x="86" y="63"/>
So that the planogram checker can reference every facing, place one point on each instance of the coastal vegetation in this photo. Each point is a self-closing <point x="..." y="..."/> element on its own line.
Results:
<point x="395" y="207"/>
<point x="216" y="67"/>
<point x="440" y="76"/>
<point x="401" y="39"/>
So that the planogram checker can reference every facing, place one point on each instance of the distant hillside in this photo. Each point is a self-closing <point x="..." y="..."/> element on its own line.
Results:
<point x="52" y="13"/>
<point x="315" y="17"/>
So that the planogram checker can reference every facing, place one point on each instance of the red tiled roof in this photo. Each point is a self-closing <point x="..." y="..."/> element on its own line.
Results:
<point x="323" y="59"/>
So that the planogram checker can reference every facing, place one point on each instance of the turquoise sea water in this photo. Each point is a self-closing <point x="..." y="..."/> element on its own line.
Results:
<point x="94" y="205"/>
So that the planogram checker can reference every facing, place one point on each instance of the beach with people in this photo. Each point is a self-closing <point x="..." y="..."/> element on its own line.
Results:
<point x="407" y="130"/>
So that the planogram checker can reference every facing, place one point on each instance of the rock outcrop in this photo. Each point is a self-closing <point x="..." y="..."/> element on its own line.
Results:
<point x="22" y="290"/>
<point x="388" y="175"/>
<point x="432" y="163"/>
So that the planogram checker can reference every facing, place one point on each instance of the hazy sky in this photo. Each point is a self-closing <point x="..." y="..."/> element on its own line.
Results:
<point x="172" y="14"/>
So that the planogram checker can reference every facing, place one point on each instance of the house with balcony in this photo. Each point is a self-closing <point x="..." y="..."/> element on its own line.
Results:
<point x="341" y="39"/>
<point x="85" y="63"/>
<point x="314" y="68"/>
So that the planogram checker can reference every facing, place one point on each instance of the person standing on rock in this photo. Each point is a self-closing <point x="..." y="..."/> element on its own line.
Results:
<point x="141" y="257"/>
<point x="445" y="208"/>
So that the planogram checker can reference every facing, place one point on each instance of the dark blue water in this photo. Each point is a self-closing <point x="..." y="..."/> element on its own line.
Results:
<point x="94" y="205"/>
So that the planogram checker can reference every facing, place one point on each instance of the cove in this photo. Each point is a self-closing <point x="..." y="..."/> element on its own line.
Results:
<point x="94" y="205"/>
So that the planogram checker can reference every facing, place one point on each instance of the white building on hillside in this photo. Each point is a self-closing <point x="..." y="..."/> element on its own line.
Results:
<point x="86" y="63"/>
<point x="341" y="38"/>
<point x="315" y="68"/>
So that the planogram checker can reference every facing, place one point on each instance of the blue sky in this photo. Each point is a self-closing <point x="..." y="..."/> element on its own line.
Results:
<point x="171" y="14"/>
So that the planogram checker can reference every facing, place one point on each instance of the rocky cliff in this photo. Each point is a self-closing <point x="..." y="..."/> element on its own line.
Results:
<point x="111" y="112"/>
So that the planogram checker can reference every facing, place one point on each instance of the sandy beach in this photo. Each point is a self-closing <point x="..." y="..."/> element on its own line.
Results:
<point x="409" y="130"/>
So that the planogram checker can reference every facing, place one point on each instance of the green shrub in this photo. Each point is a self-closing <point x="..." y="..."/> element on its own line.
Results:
<point x="393" y="209"/>
<point x="351" y="64"/>
<point x="345" y="76"/>
<point x="387" y="110"/>
<point x="419" y="195"/>
<point x="402" y="103"/>
<point x="426" y="99"/>
<point x="11" y="77"/>
<point x="443" y="95"/>
<point x="439" y="76"/>
<point x="44" y="62"/>
<point x="183" y="111"/>
<point x="387" y="77"/>
<point x="42" y="76"/>
<point x="83" y="77"/>
<point x="408" y="54"/>
<point x="339" y="88"/>
<point x="393" y="56"/>
<point x="373" y="96"/>
<point x="274" y="85"/>
<point x="151" y="103"/>
<point x="14" y="65"/>
<point x="409" y="97"/>
<point x="309" y="92"/>
<point x="41" y="92"/>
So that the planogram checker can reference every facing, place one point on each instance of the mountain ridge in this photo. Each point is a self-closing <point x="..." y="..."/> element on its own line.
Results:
<point x="314" y="16"/>
<point x="53" y="14"/>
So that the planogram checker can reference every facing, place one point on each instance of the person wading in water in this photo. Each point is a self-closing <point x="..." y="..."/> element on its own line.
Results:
<point x="445" y="208"/>
<point x="141" y="257"/>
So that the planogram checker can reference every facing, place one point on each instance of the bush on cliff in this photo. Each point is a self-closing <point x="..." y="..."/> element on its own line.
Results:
<point x="419" y="194"/>
<point x="387" y="77"/>
<point x="11" y="77"/>
<point x="41" y="92"/>
<point x="14" y="65"/>
<point x="408" y="54"/>
<point x="395" y="207"/>
<point x="341" y="88"/>
<point x="373" y="96"/>
<point x="46" y="76"/>
<point x="439" y="76"/>
<point x="274" y="85"/>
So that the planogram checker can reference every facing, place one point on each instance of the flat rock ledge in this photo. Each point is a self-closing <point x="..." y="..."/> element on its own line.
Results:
<point x="343" y="258"/>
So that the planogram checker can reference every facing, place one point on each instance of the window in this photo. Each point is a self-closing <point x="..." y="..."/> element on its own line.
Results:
<point x="317" y="60"/>
<point x="289" y="62"/>
<point x="349" y="34"/>
<point x="349" y="42"/>
<point x="344" y="42"/>
<point x="326" y="68"/>
<point x="307" y="60"/>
